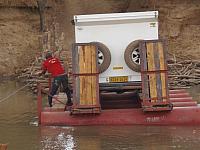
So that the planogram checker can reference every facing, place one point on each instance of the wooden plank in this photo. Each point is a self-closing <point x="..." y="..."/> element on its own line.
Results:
<point x="93" y="48"/>
<point x="151" y="67"/>
<point x="81" y="70"/>
<point x="157" y="68"/>
<point x="75" y="67"/>
<point x="88" y="83"/>
<point x="78" y="66"/>
<point x="74" y="64"/>
<point x="93" y="70"/>
<point x="145" y="82"/>
<point x="88" y="78"/>
<point x="84" y="101"/>
<point x="162" y="67"/>
<point x="156" y="71"/>
<point x="76" y="70"/>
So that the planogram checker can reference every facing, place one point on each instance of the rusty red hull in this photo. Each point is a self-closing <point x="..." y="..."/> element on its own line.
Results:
<point x="185" y="112"/>
<point x="178" y="116"/>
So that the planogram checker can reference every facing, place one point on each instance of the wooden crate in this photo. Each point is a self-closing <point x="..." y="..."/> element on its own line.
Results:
<point x="85" y="78"/>
<point x="155" y="90"/>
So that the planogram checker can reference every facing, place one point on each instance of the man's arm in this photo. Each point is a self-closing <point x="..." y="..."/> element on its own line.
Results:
<point x="42" y="72"/>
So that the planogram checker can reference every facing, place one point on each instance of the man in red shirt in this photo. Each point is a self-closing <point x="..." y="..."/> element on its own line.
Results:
<point x="53" y="66"/>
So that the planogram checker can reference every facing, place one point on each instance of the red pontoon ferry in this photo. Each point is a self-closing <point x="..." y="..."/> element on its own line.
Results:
<point x="185" y="112"/>
<point x="154" y="104"/>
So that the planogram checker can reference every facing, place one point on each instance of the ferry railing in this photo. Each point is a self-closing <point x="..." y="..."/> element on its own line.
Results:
<point x="39" y="102"/>
<point x="40" y="90"/>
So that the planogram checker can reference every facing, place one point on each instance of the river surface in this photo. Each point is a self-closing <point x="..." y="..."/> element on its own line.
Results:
<point x="18" y="128"/>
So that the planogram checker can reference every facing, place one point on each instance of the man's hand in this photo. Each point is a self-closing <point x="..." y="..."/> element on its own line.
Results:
<point x="39" y="73"/>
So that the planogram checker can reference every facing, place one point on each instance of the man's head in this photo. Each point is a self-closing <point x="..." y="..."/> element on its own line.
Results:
<point x="48" y="54"/>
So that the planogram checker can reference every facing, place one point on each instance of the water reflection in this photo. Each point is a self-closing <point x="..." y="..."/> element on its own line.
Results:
<point x="120" y="138"/>
<point x="57" y="138"/>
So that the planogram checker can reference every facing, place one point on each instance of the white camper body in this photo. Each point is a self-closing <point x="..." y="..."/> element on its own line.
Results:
<point x="117" y="31"/>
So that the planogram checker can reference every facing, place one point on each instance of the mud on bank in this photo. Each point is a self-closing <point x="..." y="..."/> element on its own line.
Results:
<point x="179" y="24"/>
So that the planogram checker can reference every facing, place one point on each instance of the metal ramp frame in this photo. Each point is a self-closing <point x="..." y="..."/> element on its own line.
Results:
<point x="154" y="76"/>
<point x="85" y="79"/>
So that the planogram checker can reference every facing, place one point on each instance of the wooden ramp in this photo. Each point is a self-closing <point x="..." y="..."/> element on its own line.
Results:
<point x="155" y="90"/>
<point x="85" y="79"/>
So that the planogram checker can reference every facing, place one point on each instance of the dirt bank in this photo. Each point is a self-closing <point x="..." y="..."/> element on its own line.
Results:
<point x="179" y="23"/>
<point x="19" y="39"/>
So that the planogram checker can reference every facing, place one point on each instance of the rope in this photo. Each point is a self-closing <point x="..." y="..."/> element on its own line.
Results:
<point x="5" y="98"/>
<point x="57" y="100"/>
<point x="54" y="98"/>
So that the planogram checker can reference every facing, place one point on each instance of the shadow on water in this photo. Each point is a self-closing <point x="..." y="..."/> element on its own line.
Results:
<point x="18" y="128"/>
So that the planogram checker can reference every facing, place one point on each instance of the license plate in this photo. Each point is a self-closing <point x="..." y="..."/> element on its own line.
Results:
<point x="118" y="79"/>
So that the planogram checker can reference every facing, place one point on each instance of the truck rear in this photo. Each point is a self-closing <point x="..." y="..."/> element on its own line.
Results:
<point x="117" y="36"/>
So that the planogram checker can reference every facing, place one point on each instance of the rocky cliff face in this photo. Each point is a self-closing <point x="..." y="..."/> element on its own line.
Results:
<point x="18" y="39"/>
<point x="179" y="23"/>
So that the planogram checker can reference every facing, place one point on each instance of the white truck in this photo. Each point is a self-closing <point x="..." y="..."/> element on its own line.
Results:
<point x="117" y="36"/>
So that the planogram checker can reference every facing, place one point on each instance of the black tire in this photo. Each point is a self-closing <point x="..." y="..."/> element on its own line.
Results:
<point x="104" y="57"/>
<point x="132" y="56"/>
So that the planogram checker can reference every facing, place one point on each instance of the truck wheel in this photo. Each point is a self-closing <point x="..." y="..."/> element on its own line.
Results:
<point x="104" y="57"/>
<point x="132" y="56"/>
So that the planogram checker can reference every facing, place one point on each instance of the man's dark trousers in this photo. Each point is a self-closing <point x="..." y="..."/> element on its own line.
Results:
<point x="57" y="81"/>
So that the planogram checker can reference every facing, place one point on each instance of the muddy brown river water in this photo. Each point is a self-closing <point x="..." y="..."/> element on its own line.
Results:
<point x="19" y="129"/>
